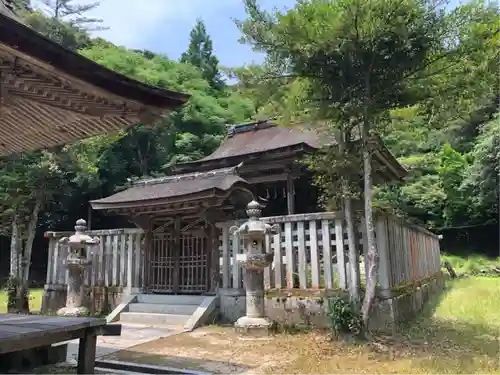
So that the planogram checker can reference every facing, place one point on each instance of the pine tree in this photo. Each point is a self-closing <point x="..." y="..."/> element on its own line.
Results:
<point x="69" y="11"/>
<point x="200" y="54"/>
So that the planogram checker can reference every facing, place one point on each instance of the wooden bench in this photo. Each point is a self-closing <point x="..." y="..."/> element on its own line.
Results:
<point x="22" y="332"/>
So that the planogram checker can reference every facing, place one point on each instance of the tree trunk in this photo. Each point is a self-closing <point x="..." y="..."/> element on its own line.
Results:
<point x="14" y="248"/>
<point x="372" y="256"/>
<point x="355" y="278"/>
<point x="29" y="241"/>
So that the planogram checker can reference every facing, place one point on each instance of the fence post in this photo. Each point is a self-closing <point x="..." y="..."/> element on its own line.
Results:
<point x="384" y="270"/>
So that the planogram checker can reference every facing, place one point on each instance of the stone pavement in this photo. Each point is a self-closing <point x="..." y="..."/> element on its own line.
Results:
<point x="132" y="334"/>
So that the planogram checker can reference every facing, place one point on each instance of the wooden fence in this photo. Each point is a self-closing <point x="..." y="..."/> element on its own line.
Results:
<point x="116" y="261"/>
<point x="311" y="252"/>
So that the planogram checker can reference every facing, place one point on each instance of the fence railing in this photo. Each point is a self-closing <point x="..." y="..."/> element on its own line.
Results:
<point x="116" y="261"/>
<point x="311" y="252"/>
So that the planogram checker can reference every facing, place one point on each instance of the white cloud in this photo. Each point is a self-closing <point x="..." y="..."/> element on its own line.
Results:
<point x="131" y="22"/>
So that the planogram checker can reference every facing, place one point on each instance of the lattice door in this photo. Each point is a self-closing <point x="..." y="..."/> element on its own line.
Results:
<point x="183" y="270"/>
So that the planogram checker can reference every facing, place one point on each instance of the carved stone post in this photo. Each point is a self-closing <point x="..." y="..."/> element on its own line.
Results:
<point x="77" y="262"/>
<point x="255" y="259"/>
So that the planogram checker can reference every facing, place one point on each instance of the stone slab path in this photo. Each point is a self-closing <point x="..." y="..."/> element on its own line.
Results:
<point x="132" y="334"/>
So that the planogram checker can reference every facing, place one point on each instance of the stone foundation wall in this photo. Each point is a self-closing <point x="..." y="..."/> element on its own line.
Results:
<point x="99" y="300"/>
<point x="311" y="309"/>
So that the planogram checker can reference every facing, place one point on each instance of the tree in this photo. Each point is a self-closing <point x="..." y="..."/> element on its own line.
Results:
<point x="188" y="134"/>
<point x="62" y="32"/>
<point x="73" y="13"/>
<point x="200" y="54"/>
<point x="362" y="59"/>
<point x="28" y="183"/>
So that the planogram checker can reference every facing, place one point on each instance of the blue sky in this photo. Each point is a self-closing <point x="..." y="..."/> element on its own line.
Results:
<point x="163" y="26"/>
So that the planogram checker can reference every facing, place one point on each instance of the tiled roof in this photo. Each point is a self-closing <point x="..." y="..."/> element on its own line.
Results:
<point x="173" y="186"/>
<point x="263" y="136"/>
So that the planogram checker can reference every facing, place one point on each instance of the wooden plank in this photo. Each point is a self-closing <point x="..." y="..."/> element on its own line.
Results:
<point x="278" y="261"/>
<point x="289" y="256"/>
<point x="115" y="259"/>
<point x="327" y="254"/>
<point x="130" y="260"/>
<point x="267" y="270"/>
<point x="226" y="257"/>
<point x="313" y="246"/>
<point x="139" y="253"/>
<point x="339" y="247"/>
<point x="86" y="354"/>
<point x="51" y="261"/>
<point x="236" y="264"/>
<point x="384" y="276"/>
<point x="302" y="268"/>
<point x="108" y="253"/>
<point x="56" y="262"/>
<point x="122" y="279"/>
<point x="101" y="270"/>
<point x="290" y="194"/>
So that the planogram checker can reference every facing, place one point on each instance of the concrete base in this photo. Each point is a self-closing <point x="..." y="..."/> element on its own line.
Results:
<point x="73" y="311"/>
<point x="255" y="327"/>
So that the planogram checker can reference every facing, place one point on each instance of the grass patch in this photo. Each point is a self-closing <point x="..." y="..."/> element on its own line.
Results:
<point x="472" y="264"/>
<point x="458" y="334"/>
<point x="36" y="296"/>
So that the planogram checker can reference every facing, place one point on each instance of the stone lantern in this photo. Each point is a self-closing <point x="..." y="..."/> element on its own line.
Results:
<point x="76" y="262"/>
<point x="254" y="260"/>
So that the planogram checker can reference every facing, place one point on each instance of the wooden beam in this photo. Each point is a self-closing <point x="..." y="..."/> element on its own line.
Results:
<point x="86" y="354"/>
<point x="290" y="194"/>
<point x="177" y="254"/>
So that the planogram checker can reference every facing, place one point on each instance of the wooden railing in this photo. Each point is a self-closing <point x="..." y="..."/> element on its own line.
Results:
<point x="311" y="253"/>
<point x="116" y="261"/>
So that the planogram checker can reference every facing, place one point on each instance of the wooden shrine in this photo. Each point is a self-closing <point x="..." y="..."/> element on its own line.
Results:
<point x="180" y="214"/>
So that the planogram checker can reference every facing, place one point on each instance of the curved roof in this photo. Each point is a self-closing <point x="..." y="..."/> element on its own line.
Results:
<point x="53" y="96"/>
<point x="260" y="137"/>
<point x="166" y="188"/>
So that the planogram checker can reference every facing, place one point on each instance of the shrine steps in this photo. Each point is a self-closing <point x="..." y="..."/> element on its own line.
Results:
<point x="184" y="311"/>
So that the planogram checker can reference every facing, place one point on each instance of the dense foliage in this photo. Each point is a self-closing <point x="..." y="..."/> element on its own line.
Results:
<point x="443" y="126"/>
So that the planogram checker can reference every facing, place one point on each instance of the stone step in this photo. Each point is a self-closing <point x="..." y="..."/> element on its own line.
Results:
<point x="157" y="308"/>
<point x="164" y="299"/>
<point x="154" y="319"/>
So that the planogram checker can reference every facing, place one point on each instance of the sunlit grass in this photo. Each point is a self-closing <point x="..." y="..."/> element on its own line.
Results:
<point x="471" y="264"/>
<point x="458" y="334"/>
<point x="36" y="296"/>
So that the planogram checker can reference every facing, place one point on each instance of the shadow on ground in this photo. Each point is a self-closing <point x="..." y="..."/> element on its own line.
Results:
<point x="444" y="346"/>
<point x="187" y="363"/>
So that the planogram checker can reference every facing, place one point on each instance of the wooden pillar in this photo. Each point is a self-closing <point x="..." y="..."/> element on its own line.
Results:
<point x="148" y="249"/>
<point x="213" y="243"/>
<point x="177" y="254"/>
<point x="290" y="194"/>
<point x="86" y="354"/>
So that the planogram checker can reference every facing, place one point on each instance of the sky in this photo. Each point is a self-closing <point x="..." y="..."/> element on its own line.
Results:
<point x="163" y="26"/>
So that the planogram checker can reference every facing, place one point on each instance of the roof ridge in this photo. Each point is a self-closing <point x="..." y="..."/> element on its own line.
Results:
<point x="189" y="176"/>
<point x="249" y="126"/>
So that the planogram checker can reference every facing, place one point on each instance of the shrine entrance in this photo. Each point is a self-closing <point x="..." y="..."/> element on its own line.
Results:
<point x="178" y="265"/>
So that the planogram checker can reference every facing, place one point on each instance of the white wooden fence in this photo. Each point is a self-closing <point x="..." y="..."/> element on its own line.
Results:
<point x="311" y="253"/>
<point x="116" y="261"/>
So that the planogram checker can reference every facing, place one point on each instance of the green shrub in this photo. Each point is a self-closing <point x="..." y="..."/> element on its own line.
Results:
<point x="343" y="317"/>
<point x="473" y="264"/>
<point x="17" y="295"/>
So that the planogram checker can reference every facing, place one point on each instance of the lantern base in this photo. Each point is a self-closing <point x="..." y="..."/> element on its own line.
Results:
<point x="73" y="311"/>
<point x="255" y="327"/>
